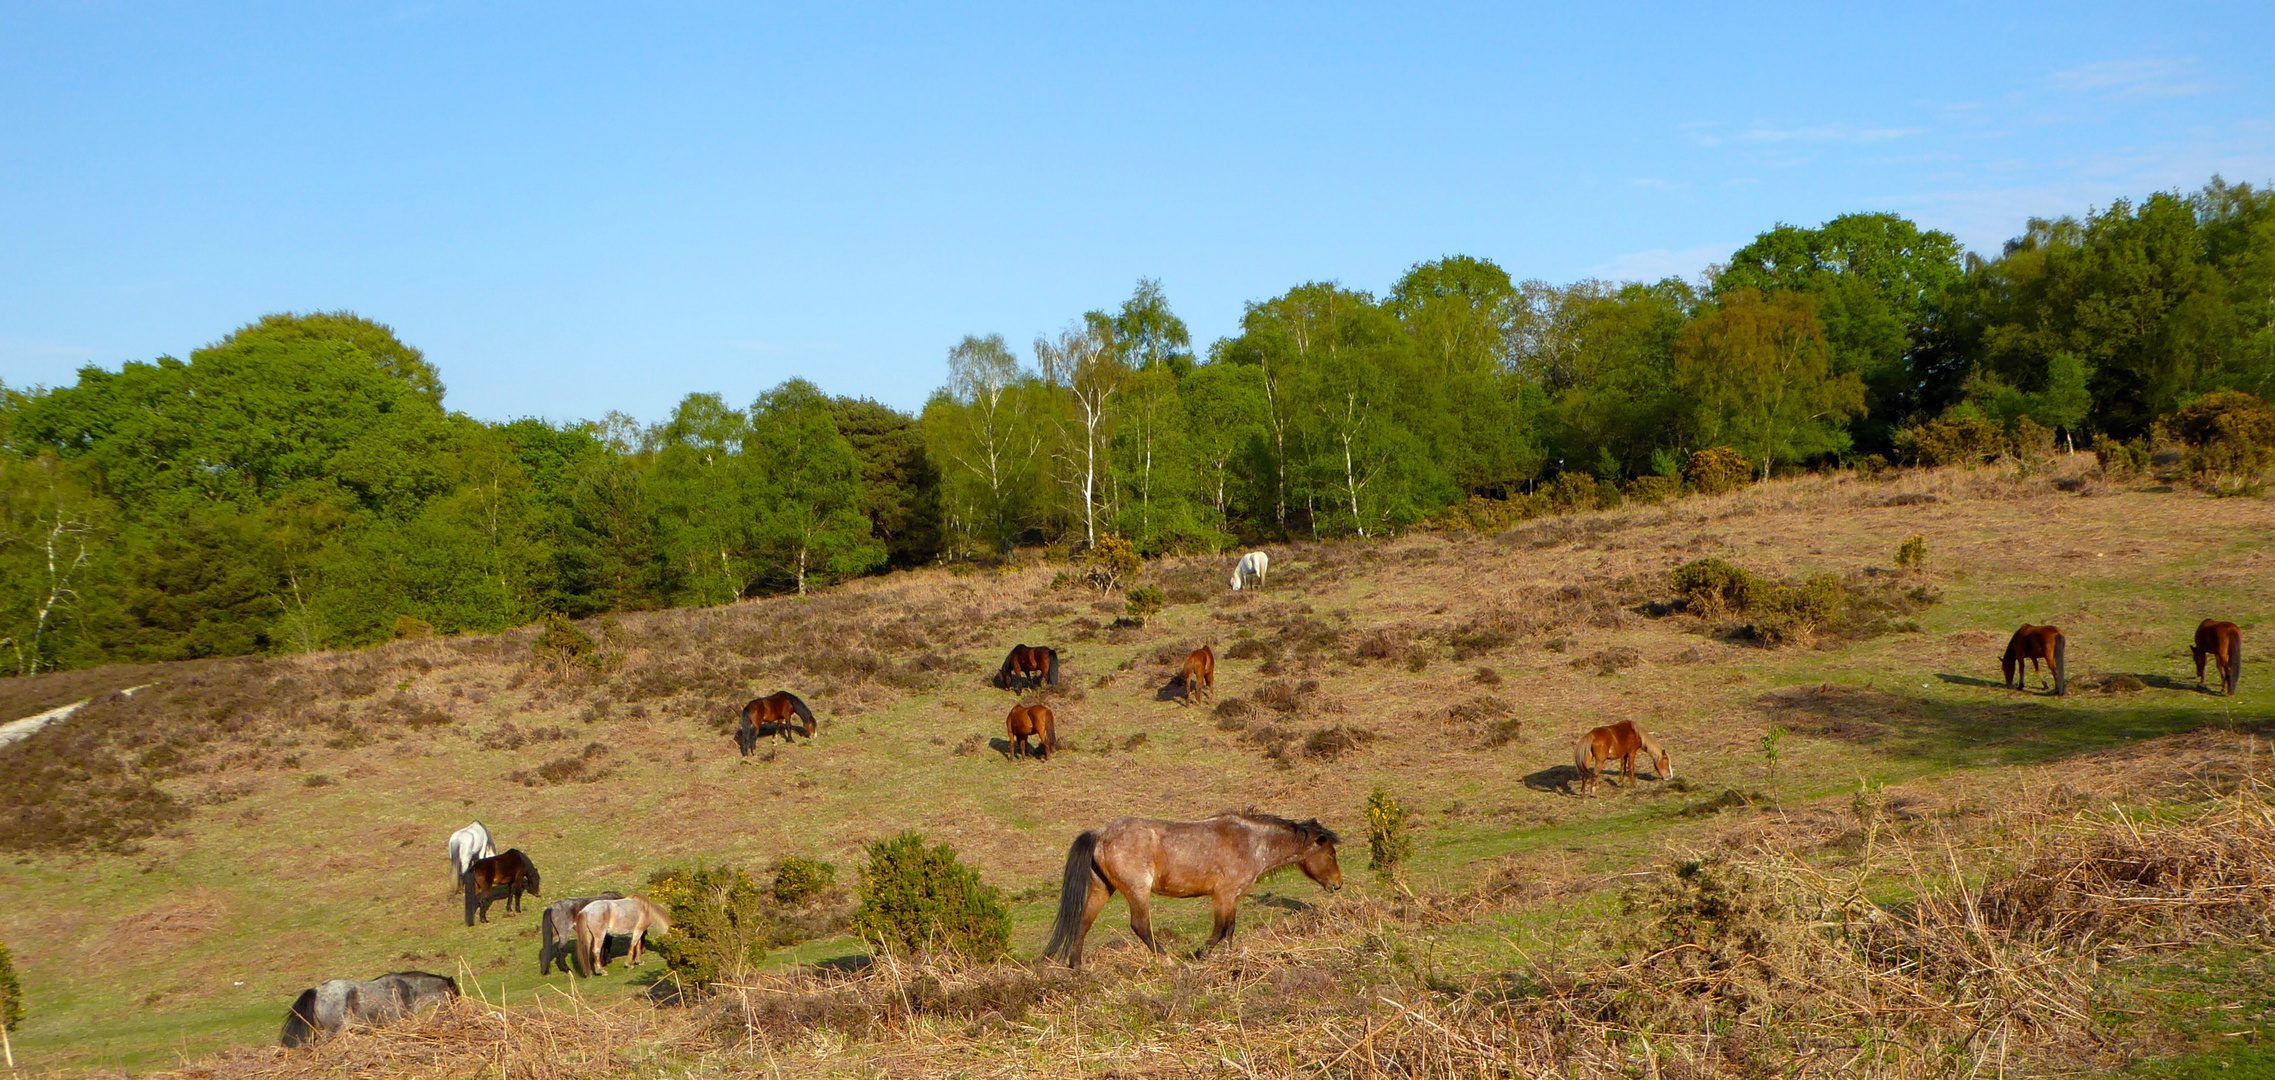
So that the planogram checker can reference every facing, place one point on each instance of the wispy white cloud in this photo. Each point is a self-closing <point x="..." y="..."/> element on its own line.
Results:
<point x="1846" y="133"/>
<point x="1712" y="133"/>
<point x="2155" y="77"/>
<point x="1660" y="263"/>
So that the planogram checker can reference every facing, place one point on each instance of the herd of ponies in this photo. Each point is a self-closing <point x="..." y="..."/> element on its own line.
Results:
<point x="1140" y="858"/>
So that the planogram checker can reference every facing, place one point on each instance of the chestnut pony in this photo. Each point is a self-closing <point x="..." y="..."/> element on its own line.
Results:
<point x="511" y="871"/>
<point x="1200" y="672"/>
<point x="1219" y="858"/>
<point x="2223" y="643"/>
<point x="1035" y="720"/>
<point x="1029" y="666"/>
<point x="2029" y="646"/>
<point x="772" y="715"/>
<point x="1618" y="742"/>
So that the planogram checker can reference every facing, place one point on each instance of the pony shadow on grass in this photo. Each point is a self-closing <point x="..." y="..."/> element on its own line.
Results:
<point x="1000" y="746"/>
<point x="1557" y="780"/>
<point x="2009" y="729"/>
<point x="1173" y="690"/>
<point x="1970" y="680"/>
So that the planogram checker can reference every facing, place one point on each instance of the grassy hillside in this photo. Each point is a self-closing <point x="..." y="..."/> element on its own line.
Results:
<point x="310" y="797"/>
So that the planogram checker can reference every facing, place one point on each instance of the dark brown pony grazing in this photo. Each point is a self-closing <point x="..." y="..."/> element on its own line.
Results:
<point x="2223" y="642"/>
<point x="1029" y="666"/>
<point x="2030" y="645"/>
<point x="772" y="715"/>
<point x="511" y="872"/>
<point x="1199" y="673"/>
<point x="1035" y="720"/>
<point x="1618" y="742"/>
<point x="1219" y="858"/>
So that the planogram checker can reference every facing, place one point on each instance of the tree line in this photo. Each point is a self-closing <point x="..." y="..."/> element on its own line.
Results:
<point x="299" y="484"/>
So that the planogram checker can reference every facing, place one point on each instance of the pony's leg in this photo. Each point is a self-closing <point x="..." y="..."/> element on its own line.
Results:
<point x="1141" y="919"/>
<point x="1093" y="902"/>
<point x="1226" y="908"/>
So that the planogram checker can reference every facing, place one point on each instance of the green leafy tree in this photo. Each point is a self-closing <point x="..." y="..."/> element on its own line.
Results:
<point x="1879" y="282"/>
<point x="984" y="431"/>
<point x="1760" y="372"/>
<point x="807" y="488"/>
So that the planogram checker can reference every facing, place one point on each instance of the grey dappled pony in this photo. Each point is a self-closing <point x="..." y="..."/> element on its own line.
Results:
<point x="332" y="1007"/>
<point x="557" y="933"/>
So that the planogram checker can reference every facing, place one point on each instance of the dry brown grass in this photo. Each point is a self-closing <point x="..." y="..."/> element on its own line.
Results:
<point x="1759" y="960"/>
<point x="418" y="736"/>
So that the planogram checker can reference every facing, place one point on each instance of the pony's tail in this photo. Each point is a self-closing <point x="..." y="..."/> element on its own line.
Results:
<point x="299" y="1028"/>
<point x="2061" y="666"/>
<point x="1074" y="892"/>
<point x="1583" y="759"/>
<point x="798" y="705"/>
<point x="1052" y="676"/>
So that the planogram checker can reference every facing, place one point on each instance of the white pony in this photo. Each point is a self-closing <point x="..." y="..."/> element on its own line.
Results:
<point x="1252" y="567"/>
<point x="466" y="846"/>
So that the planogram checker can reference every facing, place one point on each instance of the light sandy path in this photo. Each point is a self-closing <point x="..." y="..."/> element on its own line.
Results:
<point x="16" y="731"/>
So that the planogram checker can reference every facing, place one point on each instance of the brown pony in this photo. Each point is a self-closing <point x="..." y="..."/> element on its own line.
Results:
<point x="772" y="715"/>
<point x="1200" y="672"/>
<point x="1219" y="858"/>
<point x="511" y="871"/>
<point x="1619" y="742"/>
<point x="2029" y="646"/>
<point x="1027" y="667"/>
<point x="2223" y="642"/>
<point x="1035" y="720"/>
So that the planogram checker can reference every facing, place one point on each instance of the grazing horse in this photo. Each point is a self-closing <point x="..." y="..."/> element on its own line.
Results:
<point x="1251" y="569"/>
<point x="1199" y="673"/>
<point x="1219" y="858"/>
<point x="467" y="845"/>
<point x="2029" y="646"/>
<point x="329" y="1008"/>
<point x="511" y="872"/>
<point x="1029" y="666"/>
<point x="1618" y="742"/>
<point x="1035" y="720"/>
<point x="628" y="918"/>
<point x="771" y="715"/>
<point x="557" y="933"/>
<point x="2223" y="642"/>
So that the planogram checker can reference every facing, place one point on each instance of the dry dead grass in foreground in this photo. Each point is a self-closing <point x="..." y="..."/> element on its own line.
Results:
<point x="1922" y="946"/>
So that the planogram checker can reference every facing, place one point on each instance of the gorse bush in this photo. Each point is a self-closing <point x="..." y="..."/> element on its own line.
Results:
<point x="1966" y="439"/>
<point x="1912" y="554"/>
<point x="798" y="880"/>
<point x="2228" y="432"/>
<point x="720" y="927"/>
<point x="11" y="992"/>
<point x="1110" y="562"/>
<point x="1145" y="602"/>
<point x="1388" y="842"/>
<point x="1713" y="586"/>
<point x="1717" y="469"/>
<point x="561" y="644"/>
<point x="924" y="901"/>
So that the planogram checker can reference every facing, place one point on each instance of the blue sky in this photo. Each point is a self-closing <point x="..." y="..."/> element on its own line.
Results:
<point x="574" y="210"/>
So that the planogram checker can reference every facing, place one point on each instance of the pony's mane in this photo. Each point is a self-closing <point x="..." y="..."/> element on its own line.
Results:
<point x="1310" y="830"/>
